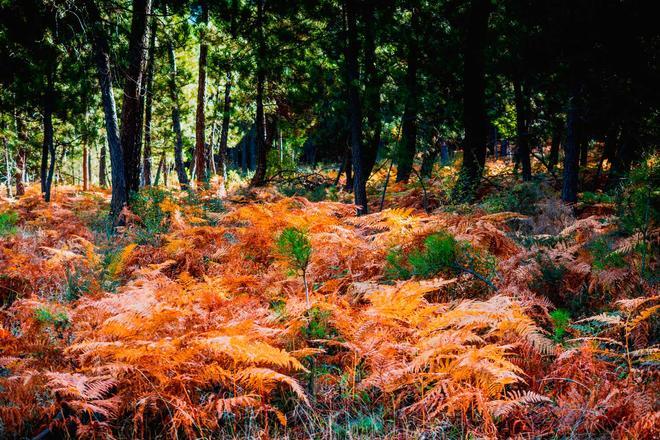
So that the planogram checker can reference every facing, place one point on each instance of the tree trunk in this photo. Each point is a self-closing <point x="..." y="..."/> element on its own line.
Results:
<point x="200" y="121"/>
<point x="132" y="103"/>
<point x="555" y="142"/>
<point x="149" y="97"/>
<point x="408" y="145"/>
<point x="224" y="134"/>
<point x="354" y="109"/>
<point x="522" y="129"/>
<point x="85" y="168"/>
<point x="48" y="148"/>
<point x="161" y="166"/>
<point x="571" y="152"/>
<point x="372" y="86"/>
<point x="584" y="151"/>
<point x="104" y="72"/>
<point x="259" y="178"/>
<point x="474" y="105"/>
<point x="102" y="167"/>
<point x="21" y="157"/>
<point x="176" y="119"/>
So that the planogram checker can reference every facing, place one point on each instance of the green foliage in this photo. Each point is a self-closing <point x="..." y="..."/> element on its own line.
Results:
<point x="560" y="320"/>
<point x="521" y="198"/>
<point x="294" y="245"/>
<point x="77" y="284"/>
<point x="8" y="221"/>
<point x="591" y="198"/>
<point x="439" y="252"/>
<point x="147" y="205"/>
<point x="603" y="255"/>
<point x="319" y="326"/>
<point x="59" y="320"/>
<point x="638" y="199"/>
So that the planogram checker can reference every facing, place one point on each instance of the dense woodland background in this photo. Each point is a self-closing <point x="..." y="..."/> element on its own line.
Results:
<point x="329" y="219"/>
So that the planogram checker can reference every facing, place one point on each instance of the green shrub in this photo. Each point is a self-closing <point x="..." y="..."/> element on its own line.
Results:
<point x="147" y="205"/>
<point x="521" y="198"/>
<point x="591" y="198"/>
<point x="295" y="246"/>
<point x="59" y="320"/>
<point x="560" y="320"/>
<point x="440" y="253"/>
<point x="603" y="255"/>
<point x="8" y="221"/>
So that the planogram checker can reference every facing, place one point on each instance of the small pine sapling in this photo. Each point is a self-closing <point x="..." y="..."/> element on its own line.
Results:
<point x="294" y="245"/>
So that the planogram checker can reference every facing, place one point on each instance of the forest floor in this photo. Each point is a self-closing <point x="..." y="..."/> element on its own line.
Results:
<point x="264" y="315"/>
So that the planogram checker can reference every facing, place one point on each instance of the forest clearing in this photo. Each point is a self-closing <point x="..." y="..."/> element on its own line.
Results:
<point x="329" y="219"/>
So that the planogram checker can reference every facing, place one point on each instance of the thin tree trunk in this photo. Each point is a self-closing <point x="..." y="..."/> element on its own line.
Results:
<point x="555" y="143"/>
<point x="354" y="109"/>
<point x="571" y="153"/>
<point x="149" y="97"/>
<point x="48" y="144"/>
<point x="21" y="157"/>
<point x="408" y="145"/>
<point x="132" y="103"/>
<point x="161" y="166"/>
<point x="474" y="105"/>
<point x="522" y="129"/>
<point x="176" y="119"/>
<point x="224" y="134"/>
<point x="259" y="178"/>
<point x="7" y="161"/>
<point x="85" y="169"/>
<point x="200" y="121"/>
<point x="104" y="72"/>
<point x="102" y="167"/>
<point x="372" y="86"/>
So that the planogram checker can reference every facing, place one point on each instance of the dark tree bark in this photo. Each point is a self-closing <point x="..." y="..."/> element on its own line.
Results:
<point x="21" y="156"/>
<point x="259" y="178"/>
<point x="149" y="97"/>
<point x="200" y="116"/>
<point x="48" y="147"/>
<point x="372" y="87"/>
<point x="522" y="129"/>
<point x="354" y="109"/>
<point x="584" y="151"/>
<point x="224" y="131"/>
<point x="555" y="142"/>
<point x="132" y="103"/>
<point x="176" y="118"/>
<point x="408" y="145"/>
<point x="160" y="169"/>
<point x="474" y="105"/>
<point x="104" y="73"/>
<point x="571" y="152"/>
<point x="102" y="167"/>
<point x="85" y="167"/>
<point x="624" y="155"/>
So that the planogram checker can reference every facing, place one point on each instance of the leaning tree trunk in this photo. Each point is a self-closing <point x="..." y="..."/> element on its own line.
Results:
<point x="133" y="104"/>
<point x="176" y="119"/>
<point x="408" y="145"/>
<point x="200" y="121"/>
<point x="354" y="109"/>
<point x="259" y="178"/>
<point x="522" y="129"/>
<point x="149" y="97"/>
<point x="474" y="102"/>
<point x="104" y="73"/>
